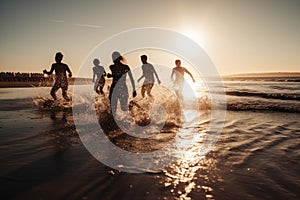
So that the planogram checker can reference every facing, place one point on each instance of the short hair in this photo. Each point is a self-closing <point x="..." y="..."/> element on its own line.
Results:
<point x="144" y="57"/>
<point x="177" y="61"/>
<point x="58" y="55"/>
<point x="96" y="61"/>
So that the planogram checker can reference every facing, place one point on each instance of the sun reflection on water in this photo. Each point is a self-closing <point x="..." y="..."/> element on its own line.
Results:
<point x="190" y="173"/>
<point x="185" y="176"/>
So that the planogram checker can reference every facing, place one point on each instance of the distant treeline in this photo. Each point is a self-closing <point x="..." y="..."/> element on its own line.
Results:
<point x="17" y="79"/>
<point x="24" y="77"/>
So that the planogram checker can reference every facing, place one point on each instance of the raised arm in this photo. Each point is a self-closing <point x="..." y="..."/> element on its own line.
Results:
<point x="189" y="73"/>
<point x="50" y="72"/>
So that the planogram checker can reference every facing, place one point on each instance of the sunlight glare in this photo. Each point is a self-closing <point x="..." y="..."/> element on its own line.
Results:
<point x="194" y="35"/>
<point x="189" y="89"/>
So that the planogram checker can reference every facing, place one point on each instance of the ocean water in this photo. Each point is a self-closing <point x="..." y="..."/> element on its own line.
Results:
<point x="256" y="156"/>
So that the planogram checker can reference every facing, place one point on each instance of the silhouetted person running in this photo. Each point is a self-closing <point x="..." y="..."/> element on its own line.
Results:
<point x="119" y="71"/>
<point x="99" y="72"/>
<point x="61" y="80"/>
<point x="179" y="71"/>
<point x="148" y="74"/>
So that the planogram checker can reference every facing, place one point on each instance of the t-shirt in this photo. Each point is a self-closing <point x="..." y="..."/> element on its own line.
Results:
<point x="148" y="72"/>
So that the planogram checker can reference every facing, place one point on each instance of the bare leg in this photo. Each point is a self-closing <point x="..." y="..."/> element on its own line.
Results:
<point x="64" y="94"/>
<point x="101" y="90"/>
<point x="143" y="90"/>
<point x="149" y="88"/>
<point x="53" y="91"/>
<point x="124" y="102"/>
<point x="113" y="106"/>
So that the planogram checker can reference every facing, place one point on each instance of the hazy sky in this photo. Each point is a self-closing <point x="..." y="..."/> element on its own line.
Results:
<point x="239" y="36"/>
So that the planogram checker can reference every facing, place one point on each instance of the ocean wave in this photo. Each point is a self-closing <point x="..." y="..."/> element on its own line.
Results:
<point x="263" y="79"/>
<point x="248" y="104"/>
<point x="263" y="106"/>
<point x="284" y="87"/>
<point x="281" y="96"/>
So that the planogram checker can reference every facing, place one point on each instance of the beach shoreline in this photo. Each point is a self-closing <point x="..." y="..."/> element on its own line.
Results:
<point x="22" y="84"/>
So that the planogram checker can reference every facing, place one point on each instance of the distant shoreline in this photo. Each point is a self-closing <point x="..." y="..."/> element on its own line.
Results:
<point x="265" y="74"/>
<point x="265" y="77"/>
<point x="18" y="84"/>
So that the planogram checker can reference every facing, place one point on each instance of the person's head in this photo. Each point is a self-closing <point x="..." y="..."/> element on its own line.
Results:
<point x="178" y="63"/>
<point x="116" y="57"/>
<point x="58" y="57"/>
<point x="96" y="61"/>
<point x="144" y="59"/>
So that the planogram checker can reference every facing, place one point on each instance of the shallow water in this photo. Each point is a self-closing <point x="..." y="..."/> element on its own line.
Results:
<point x="256" y="156"/>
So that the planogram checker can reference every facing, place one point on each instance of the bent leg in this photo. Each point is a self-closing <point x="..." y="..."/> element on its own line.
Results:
<point x="111" y="90"/>
<point x="54" y="90"/>
<point x="149" y="88"/>
<point x="101" y="85"/>
<point x="64" y="92"/>
<point x="113" y="105"/>
<point x="101" y="90"/>
<point x="124" y="102"/>
<point x="96" y="87"/>
<point x="123" y="98"/>
<point x="113" y="100"/>
<point x="143" y="90"/>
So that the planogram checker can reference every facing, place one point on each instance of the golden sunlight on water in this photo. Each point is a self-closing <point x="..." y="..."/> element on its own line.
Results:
<point x="194" y="89"/>
<point x="182" y="175"/>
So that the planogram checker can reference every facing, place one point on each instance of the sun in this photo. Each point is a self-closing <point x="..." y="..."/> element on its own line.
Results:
<point x="194" y="35"/>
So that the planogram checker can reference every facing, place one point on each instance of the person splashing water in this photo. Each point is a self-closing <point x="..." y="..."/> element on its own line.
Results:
<point x="179" y="72"/>
<point x="61" y="80"/>
<point x="148" y="74"/>
<point x="98" y="73"/>
<point x="118" y="73"/>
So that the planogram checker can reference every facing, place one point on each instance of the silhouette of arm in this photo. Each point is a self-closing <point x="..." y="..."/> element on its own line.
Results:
<point x="189" y="73"/>
<point x="132" y="83"/>
<point x="140" y="78"/>
<point x="50" y="72"/>
<point x="69" y="71"/>
<point x="109" y="75"/>
<point x="143" y="69"/>
<point x="94" y="76"/>
<point x="156" y="76"/>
